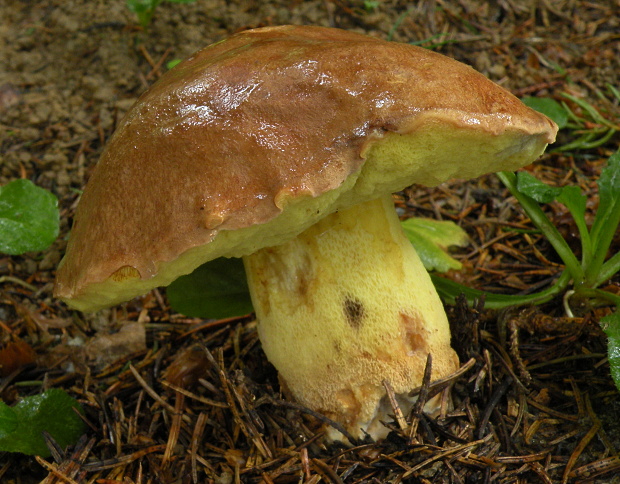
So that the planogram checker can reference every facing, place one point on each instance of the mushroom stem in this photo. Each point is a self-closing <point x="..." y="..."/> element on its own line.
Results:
<point x="344" y="306"/>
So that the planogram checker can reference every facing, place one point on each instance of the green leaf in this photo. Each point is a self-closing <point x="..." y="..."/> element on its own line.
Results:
<point x="431" y="238"/>
<point x="609" y="192"/>
<point x="609" y="182"/>
<point x="607" y="216"/>
<point x="8" y="420"/>
<point x="29" y="218"/>
<point x="549" y="108"/>
<point x="139" y="7"/>
<point x="611" y="326"/>
<point x="575" y="201"/>
<point x="53" y="412"/>
<point x="569" y="195"/>
<point x="531" y="186"/>
<point x="144" y="10"/>
<point x="217" y="289"/>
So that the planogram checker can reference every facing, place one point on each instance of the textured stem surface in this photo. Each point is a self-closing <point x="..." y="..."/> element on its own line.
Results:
<point x="344" y="306"/>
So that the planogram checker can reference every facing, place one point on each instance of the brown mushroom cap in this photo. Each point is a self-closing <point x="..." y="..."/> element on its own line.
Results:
<point x="253" y="139"/>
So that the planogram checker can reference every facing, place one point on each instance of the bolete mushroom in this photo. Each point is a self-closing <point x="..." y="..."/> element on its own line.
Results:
<point x="282" y="146"/>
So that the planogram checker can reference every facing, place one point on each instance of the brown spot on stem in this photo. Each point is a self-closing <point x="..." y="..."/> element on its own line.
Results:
<point x="303" y="275"/>
<point x="354" y="311"/>
<point x="414" y="333"/>
<point x="350" y="406"/>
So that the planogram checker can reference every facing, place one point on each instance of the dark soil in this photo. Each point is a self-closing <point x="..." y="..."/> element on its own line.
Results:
<point x="186" y="400"/>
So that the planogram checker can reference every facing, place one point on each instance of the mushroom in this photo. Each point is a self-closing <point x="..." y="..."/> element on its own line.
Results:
<point x="283" y="146"/>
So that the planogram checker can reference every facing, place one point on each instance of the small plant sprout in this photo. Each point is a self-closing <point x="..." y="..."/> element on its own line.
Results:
<point x="585" y="275"/>
<point x="144" y="9"/>
<point x="371" y="5"/>
<point x="580" y="281"/>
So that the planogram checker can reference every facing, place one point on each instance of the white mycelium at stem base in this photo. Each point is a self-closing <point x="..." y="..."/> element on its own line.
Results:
<point x="344" y="306"/>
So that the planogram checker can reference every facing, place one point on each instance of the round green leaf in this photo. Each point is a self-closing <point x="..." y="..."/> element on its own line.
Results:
<point x="54" y="412"/>
<point x="217" y="289"/>
<point x="531" y="186"/>
<point x="8" y="420"/>
<point x="29" y="218"/>
<point x="549" y="107"/>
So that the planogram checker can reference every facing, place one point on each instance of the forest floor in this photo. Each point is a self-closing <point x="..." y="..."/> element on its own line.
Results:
<point x="534" y="402"/>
